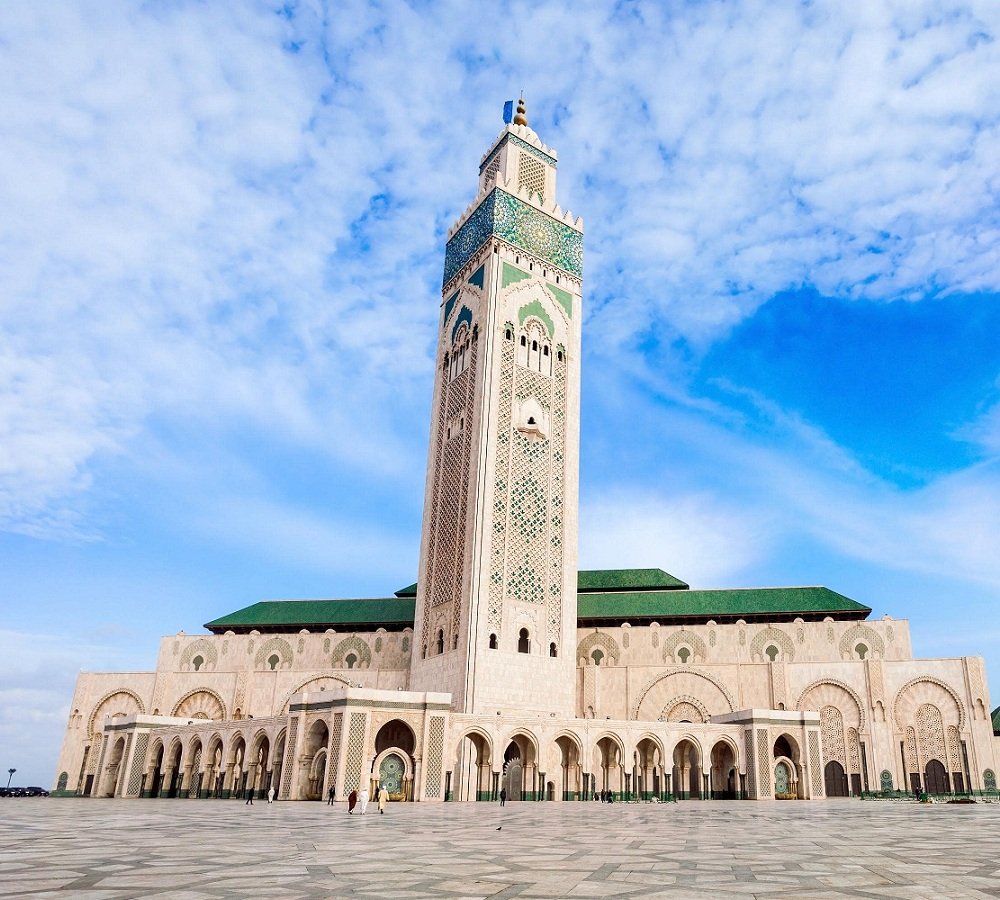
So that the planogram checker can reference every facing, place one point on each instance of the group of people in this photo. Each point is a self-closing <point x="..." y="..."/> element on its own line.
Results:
<point x="360" y="798"/>
<point x="605" y="796"/>
<point x="270" y="795"/>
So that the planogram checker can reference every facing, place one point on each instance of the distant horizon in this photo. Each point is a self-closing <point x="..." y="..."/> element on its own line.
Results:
<point x="225" y="235"/>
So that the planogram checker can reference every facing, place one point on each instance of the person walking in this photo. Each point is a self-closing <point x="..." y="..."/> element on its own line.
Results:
<point x="363" y="800"/>
<point x="383" y="798"/>
<point x="331" y="795"/>
<point x="249" y="796"/>
<point x="503" y="796"/>
<point x="352" y="801"/>
<point x="270" y="794"/>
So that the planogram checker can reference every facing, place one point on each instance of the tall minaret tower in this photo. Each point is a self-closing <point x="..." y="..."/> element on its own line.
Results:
<point x="496" y="602"/>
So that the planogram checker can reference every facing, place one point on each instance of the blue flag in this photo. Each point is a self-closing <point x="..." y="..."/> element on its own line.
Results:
<point x="508" y="112"/>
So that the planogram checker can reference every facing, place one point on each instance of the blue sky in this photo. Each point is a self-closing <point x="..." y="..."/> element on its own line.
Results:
<point x="220" y="257"/>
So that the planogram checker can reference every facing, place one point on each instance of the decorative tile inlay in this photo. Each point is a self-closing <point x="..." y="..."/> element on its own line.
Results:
<point x="435" y="756"/>
<point x="519" y="224"/>
<point x="355" y="752"/>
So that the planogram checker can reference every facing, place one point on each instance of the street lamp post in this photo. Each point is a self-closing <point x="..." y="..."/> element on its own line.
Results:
<point x="10" y="774"/>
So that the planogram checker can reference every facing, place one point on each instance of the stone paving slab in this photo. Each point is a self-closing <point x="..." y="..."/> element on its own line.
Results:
<point x="210" y="850"/>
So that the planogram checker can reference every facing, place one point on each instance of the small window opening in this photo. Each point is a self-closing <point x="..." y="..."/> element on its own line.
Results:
<point x="557" y="279"/>
<point x="534" y="345"/>
<point x="272" y="661"/>
<point x="683" y="654"/>
<point x="552" y="650"/>
<point x="423" y="652"/>
<point x="517" y="260"/>
<point x="531" y="420"/>
<point x="454" y="643"/>
<point x="440" y="641"/>
<point x="772" y="653"/>
<point x="493" y="642"/>
<point x="351" y="660"/>
<point x="523" y="644"/>
<point x="861" y="650"/>
<point x="597" y="656"/>
<point x="198" y="662"/>
<point x="524" y="341"/>
<point x="507" y="334"/>
<point x="559" y="355"/>
<point x="545" y="350"/>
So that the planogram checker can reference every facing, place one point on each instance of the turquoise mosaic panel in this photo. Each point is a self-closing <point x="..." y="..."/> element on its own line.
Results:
<point x="519" y="224"/>
<point x="464" y="316"/>
<point x="536" y="309"/>
<point x="564" y="298"/>
<point x="476" y="277"/>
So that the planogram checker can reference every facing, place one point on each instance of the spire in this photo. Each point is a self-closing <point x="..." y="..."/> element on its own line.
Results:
<point x="520" y="118"/>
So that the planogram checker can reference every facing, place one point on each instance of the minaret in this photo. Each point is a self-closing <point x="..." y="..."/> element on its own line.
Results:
<point x="495" y="618"/>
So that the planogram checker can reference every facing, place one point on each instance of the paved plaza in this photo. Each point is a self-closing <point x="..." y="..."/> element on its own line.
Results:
<point x="198" y="850"/>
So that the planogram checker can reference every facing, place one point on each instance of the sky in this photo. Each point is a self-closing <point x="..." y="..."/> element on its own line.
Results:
<point x="221" y="250"/>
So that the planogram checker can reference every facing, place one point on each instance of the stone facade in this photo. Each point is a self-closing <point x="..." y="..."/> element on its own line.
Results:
<point x="488" y="675"/>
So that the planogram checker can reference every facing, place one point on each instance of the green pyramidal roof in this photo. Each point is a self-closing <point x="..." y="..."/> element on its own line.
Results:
<point x="606" y="597"/>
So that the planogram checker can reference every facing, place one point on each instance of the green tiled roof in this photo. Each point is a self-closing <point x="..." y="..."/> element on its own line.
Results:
<point x="388" y="611"/>
<point x="593" y="607"/>
<point x="626" y="580"/>
<point x="718" y="604"/>
<point x="590" y="580"/>
<point x="996" y="721"/>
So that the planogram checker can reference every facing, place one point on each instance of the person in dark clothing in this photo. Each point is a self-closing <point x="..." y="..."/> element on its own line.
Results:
<point x="503" y="796"/>
<point x="352" y="801"/>
<point x="331" y="796"/>
<point x="249" y="796"/>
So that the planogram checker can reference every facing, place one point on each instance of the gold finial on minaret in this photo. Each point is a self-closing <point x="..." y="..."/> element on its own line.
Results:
<point x="520" y="118"/>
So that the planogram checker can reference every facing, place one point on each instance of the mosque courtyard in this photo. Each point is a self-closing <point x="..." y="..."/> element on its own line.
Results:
<point x="198" y="850"/>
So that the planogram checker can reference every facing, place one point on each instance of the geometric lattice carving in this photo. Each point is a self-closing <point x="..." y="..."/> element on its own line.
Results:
<point x="355" y="752"/>
<point x="598" y="640"/>
<point x="354" y="645"/>
<point x="930" y="734"/>
<point x="289" y="760"/>
<point x="501" y="480"/>
<point x="204" y="648"/>
<point x="682" y="681"/>
<point x="749" y="755"/>
<point x="200" y="704"/>
<point x="333" y="760"/>
<point x="861" y="634"/>
<point x="531" y="174"/>
<point x="278" y="647"/>
<point x="763" y="762"/>
<point x="832" y="726"/>
<point x="435" y="756"/>
<point x="815" y="765"/>
<point x="853" y="751"/>
<point x="910" y="744"/>
<point x="138" y="765"/>
<point x="953" y="749"/>
<point x="683" y="638"/>
<point x="771" y="636"/>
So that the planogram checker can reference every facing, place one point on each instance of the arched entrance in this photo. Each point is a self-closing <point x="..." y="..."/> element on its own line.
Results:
<point x="936" y="778"/>
<point x="569" y="766"/>
<point x="212" y="782"/>
<point x="259" y="777"/>
<point x="174" y="771"/>
<point x="835" y="779"/>
<point x="687" y="771"/>
<point x="235" y="778"/>
<point x="114" y="767"/>
<point x="648" y="768"/>
<point x="519" y="768"/>
<point x="611" y="773"/>
<point x="314" y="761"/>
<point x="787" y="769"/>
<point x="393" y="764"/>
<point x="724" y="777"/>
<point x="192" y="769"/>
<point x="156" y="772"/>
<point x="472" y="768"/>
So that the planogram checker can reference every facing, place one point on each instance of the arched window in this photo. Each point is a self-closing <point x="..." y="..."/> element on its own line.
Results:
<point x="508" y="334"/>
<point x="534" y="345"/>
<point x="493" y="642"/>
<point x="272" y="661"/>
<point x="198" y="662"/>
<point x="552" y="650"/>
<point x="545" y="350"/>
<point x="683" y="654"/>
<point x="524" y="341"/>
<point x="559" y="355"/>
<point x="861" y="650"/>
<point x="351" y="659"/>
<point x="440" y="641"/>
<point x="523" y="644"/>
<point x="772" y="652"/>
<point x="597" y="656"/>
<point x="423" y="652"/>
<point x="454" y="642"/>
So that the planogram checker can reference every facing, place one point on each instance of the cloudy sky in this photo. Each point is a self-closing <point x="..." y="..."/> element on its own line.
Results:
<point x="220" y="257"/>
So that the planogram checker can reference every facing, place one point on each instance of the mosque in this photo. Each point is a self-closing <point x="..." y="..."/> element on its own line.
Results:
<point x="506" y="667"/>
